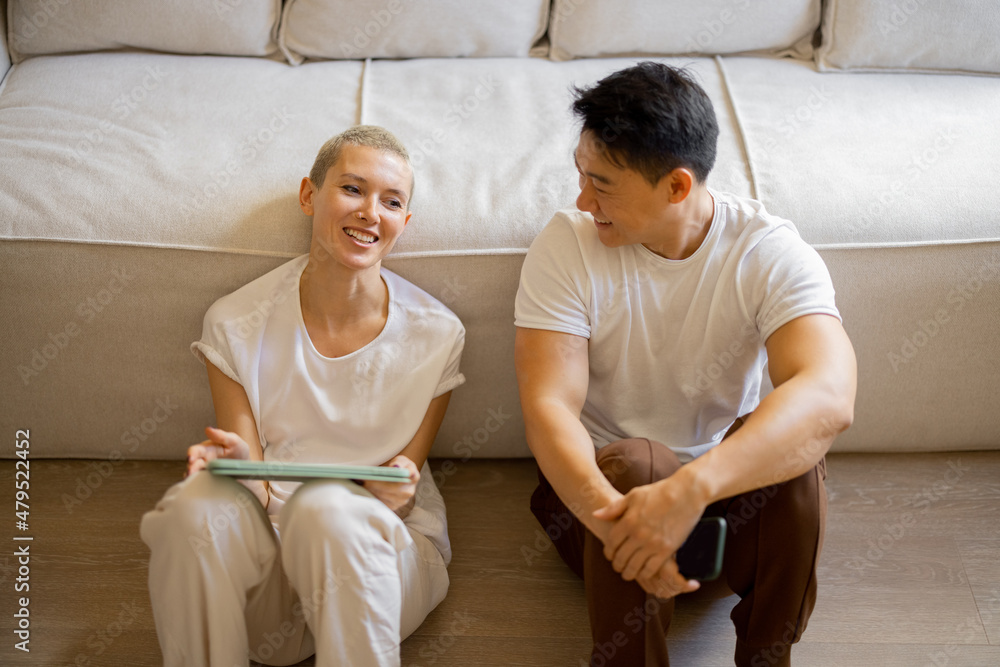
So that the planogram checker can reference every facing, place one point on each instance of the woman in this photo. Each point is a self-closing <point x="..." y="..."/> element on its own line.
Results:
<point x="328" y="358"/>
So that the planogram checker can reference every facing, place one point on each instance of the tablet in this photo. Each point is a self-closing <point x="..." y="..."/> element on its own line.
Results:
<point x="301" y="472"/>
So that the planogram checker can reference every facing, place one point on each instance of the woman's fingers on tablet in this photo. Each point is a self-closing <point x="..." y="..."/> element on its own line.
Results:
<point x="400" y="461"/>
<point x="230" y="444"/>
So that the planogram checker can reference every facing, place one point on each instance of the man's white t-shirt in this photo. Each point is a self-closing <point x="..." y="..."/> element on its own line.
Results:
<point x="676" y="346"/>
<point x="362" y="408"/>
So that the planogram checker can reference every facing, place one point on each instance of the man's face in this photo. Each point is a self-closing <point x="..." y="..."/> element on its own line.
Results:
<point x="623" y="203"/>
<point x="362" y="208"/>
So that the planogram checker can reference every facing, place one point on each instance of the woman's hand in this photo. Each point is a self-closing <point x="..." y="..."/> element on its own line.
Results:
<point x="220" y="445"/>
<point x="397" y="496"/>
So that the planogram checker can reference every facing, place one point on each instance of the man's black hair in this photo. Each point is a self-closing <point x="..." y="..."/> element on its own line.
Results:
<point x="651" y="118"/>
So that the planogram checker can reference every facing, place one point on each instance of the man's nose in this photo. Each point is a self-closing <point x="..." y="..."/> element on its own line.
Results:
<point x="585" y="200"/>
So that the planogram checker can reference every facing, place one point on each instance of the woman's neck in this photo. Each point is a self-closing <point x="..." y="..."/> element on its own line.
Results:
<point x="343" y="309"/>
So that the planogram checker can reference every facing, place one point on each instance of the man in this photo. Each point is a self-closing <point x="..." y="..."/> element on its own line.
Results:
<point x="645" y="320"/>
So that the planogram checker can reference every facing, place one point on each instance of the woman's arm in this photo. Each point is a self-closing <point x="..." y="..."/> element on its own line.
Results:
<point x="236" y="434"/>
<point x="400" y="498"/>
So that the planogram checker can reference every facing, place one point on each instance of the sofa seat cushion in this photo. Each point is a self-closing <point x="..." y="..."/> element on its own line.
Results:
<point x="492" y="142"/>
<point x="176" y="151"/>
<point x="880" y="159"/>
<point x="184" y="152"/>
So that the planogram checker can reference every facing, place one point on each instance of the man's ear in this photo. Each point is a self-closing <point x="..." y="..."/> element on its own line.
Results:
<point x="678" y="184"/>
<point x="306" y="190"/>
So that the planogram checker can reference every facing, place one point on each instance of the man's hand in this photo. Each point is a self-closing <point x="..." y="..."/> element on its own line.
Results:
<point x="668" y="582"/>
<point x="651" y="522"/>
<point x="220" y="445"/>
<point x="400" y="497"/>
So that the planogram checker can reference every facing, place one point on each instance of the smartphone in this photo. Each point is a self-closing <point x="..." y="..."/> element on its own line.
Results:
<point x="700" y="557"/>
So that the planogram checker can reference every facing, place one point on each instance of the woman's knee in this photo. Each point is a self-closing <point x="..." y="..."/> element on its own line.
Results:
<point x="336" y="508"/>
<point x="200" y="503"/>
<point x="636" y="461"/>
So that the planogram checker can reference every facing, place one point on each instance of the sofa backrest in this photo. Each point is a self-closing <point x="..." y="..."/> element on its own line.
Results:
<point x="603" y="28"/>
<point x="911" y="35"/>
<point x="411" y="28"/>
<point x="224" y="27"/>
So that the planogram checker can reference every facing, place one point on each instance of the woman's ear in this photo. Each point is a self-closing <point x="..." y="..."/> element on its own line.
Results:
<point x="306" y="191"/>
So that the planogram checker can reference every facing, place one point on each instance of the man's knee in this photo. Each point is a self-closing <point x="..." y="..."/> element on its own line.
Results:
<point x="636" y="461"/>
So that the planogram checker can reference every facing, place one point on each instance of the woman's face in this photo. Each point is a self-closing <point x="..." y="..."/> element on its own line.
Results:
<point x="362" y="207"/>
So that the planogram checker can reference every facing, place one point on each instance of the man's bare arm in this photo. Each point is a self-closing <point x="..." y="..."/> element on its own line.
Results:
<point x="814" y="371"/>
<point x="553" y="371"/>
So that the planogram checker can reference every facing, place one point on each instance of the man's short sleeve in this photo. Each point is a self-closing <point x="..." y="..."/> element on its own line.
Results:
<point x="784" y="278"/>
<point x="554" y="290"/>
<point x="214" y="343"/>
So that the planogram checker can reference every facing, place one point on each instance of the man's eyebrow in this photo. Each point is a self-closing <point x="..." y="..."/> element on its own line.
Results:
<point x="399" y="193"/>
<point x="596" y="177"/>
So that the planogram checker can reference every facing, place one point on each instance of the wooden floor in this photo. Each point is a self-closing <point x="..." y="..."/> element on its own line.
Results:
<point x="910" y="573"/>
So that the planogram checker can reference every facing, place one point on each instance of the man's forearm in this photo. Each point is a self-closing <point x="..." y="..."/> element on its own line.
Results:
<point x="565" y="454"/>
<point x="785" y="437"/>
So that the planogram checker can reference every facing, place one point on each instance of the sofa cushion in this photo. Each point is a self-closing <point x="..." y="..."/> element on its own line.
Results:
<point x="922" y="35"/>
<point x="227" y="27"/>
<point x="163" y="150"/>
<point x="492" y="144"/>
<point x="216" y="166"/>
<point x="879" y="159"/>
<point x="591" y="28"/>
<point x="408" y="29"/>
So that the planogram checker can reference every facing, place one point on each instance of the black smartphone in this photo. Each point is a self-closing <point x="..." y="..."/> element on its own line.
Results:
<point x="700" y="557"/>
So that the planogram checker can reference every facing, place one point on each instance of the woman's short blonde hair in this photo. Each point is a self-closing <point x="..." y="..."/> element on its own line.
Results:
<point x="372" y="136"/>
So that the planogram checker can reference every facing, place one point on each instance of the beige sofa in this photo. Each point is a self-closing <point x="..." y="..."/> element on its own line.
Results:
<point x="150" y="154"/>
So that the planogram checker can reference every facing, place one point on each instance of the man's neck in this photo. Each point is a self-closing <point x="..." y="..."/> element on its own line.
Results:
<point x="687" y="226"/>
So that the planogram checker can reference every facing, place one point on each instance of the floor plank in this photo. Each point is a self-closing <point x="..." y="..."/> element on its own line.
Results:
<point x="910" y="573"/>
